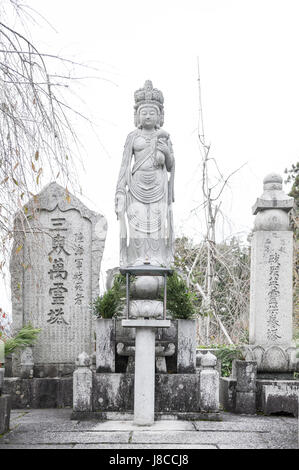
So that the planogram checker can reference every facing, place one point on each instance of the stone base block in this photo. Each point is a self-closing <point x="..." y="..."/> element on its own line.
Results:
<point x="173" y="392"/>
<point x="5" y="407"/>
<point x="118" y="416"/>
<point x="39" y="393"/>
<point x="272" y="396"/>
<point x="245" y="403"/>
<point x="280" y="398"/>
<point x="228" y="393"/>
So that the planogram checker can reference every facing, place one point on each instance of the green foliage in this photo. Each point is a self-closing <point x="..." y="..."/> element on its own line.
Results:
<point x="227" y="354"/>
<point x="180" y="300"/>
<point x="109" y="304"/>
<point x="24" y="338"/>
<point x="293" y="177"/>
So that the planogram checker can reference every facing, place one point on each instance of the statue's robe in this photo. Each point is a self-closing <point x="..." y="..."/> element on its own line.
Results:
<point x="148" y="205"/>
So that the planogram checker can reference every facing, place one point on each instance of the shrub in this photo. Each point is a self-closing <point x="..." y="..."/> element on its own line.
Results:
<point x="25" y="337"/>
<point x="109" y="304"/>
<point x="180" y="300"/>
<point x="226" y="355"/>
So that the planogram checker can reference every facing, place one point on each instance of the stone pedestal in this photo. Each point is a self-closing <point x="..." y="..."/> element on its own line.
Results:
<point x="144" y="389"/>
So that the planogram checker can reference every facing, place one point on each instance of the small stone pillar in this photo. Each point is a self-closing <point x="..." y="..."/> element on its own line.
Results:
<point x="82" y="384"/>
<point x="144" y="381"/>
<point x="245" y="374"/>
<point x="105" y="345"/>
<point x="271" y="290"/>
<point x="209" y="384"/>
<point x="26" y="363"/>
<point x="186" y="351"/>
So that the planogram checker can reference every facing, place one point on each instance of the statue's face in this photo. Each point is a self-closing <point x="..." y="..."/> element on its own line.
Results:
<point x="148" y="117"/>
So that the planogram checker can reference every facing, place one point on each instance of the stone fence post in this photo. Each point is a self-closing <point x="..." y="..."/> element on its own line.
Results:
<point x="82" y="380"/>
<point x="209" y="384"/>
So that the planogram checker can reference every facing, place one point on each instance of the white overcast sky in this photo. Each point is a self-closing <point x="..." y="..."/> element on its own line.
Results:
<point x="248" y="53"/>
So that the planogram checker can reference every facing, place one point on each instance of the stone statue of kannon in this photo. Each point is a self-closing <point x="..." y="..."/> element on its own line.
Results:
<point x="144" y="193"/>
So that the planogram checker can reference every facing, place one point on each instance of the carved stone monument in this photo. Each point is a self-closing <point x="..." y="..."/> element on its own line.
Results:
<point x="55" y="267"/>
<point x="271" y="295"/>
<point x="146" y="362"/>
<point x="265" y="381"/>
<point x="143" y="203"/>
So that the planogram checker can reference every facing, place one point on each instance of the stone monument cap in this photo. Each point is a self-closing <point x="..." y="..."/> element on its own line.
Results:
<point x="83" y="360"/>
<point x="208" y="360"/>
<point x="272" y="181"/>
<point x="273" y="196"/>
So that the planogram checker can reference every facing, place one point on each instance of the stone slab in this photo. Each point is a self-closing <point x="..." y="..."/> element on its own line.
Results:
<point x="35" y="446"/>
<point x="280" y="398"/>
<point x="67" y="437"/>
<point x="105" y="345"/>
<point x="187" y="437"/>
<point x="177" y="393"/>
<point x="143" y="446"/>
<point x="271" y="299"/>
<point x="161" y="425"/>
<point x="234" y="431"/>
<point x="186" y="349"/>
<point x="55" y="276"/>
<point x="39" y="393"/>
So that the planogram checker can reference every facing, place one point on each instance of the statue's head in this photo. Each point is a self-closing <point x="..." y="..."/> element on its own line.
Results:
<point x="149" y="100"/>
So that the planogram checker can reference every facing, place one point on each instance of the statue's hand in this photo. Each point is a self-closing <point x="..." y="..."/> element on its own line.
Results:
<point x="119" y="204"/>
<point x="163" y="147"/>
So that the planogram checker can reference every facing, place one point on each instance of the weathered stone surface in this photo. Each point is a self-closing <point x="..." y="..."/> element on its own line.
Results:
<point x="113" y="392"/>
<point x="228" y="393"/>
<point x="2" y="373"/>
<point x="55" y="273"/>
<point x="271" y="290"/>
<point x="5" y="407"/>
<point x="177" y="392"/>
<point x="186" y="350"/>
<point x="280" y="398"/>
<point x="209" y="389"/>
<point x="245" y="403"/>
<point x="39" y="393"/>
<point x="105" y="345"/>
<point x="246" y="375"/>
<point x="38" y="428"/>
<point x="273" y="196"/>
<point x="173" y="392"/>
<point x="144" y="383"/>
<point x="201" y="352"/>
<point x="82" y="384"/>
<point x="26" y="363"/>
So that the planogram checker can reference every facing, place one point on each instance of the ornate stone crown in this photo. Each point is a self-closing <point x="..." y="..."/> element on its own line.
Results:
<point x="151" y="96"/>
